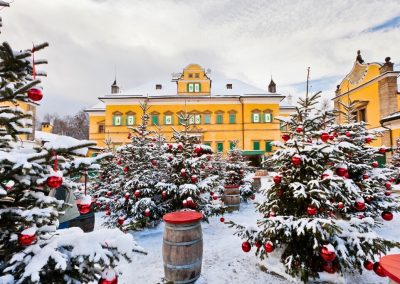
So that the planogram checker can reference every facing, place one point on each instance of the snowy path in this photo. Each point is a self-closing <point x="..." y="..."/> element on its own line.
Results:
<point x="223" y="259"/>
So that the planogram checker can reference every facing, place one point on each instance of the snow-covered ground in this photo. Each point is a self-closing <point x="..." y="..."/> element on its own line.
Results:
<point x="223" y="259"/>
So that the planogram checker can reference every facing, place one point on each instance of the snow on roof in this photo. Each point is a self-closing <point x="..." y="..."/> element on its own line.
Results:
<point x="392" y="116"/>
<point x="61" y="141"/>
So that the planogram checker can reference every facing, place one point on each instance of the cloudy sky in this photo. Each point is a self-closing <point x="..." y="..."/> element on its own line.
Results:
<point x="149" y="39"/>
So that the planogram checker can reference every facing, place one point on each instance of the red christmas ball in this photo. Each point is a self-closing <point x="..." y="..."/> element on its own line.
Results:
<point x="197" y="150"/>
<point x="340" y="205"/>
<point x="329" y="267"/>
<point x="331" y="137"/>
<point x="360" y="205"/>
<point x="360" y="216"/>
<point x="180" y="146"/>
<point x="348" y="134"/>
<point x="392" y="179"/>
<point x="271" y="214"/>
<point x="285" y="137"/>
<point x="324" y="137"/>
<point x="311" y="210"/>
<point x="277" y="179"/>
<point x="387" y="216"/>
<point x="147" y="212"/>
<point x="222" y="219"/>
<point x="365" y="176"/>
<point x="183" y="172"/>
<point x="194" y="179"/>
<point x="388" y="192"/>
<point x="375" y="164"/>
<point x="54" y="181"/>
<point x="127" y="196"/>
<point x="108" y="193"/>
<point x="211" y="193"/>
<point x="154" y="162"/>
<point x="299" y="129"/>
<point x="382" y="150"/>
<point x="341" y="171"/>
<point x="137" y="193"/>
<point x="257" y="244"/>
<point x="269" y="247"/>
<point x="368" y="265"/>
<point x="388" y="185"/>
<point x="170" y="146"/>
<point x="368" y="199"/>
<point x="279" y="192"/>
<point x="126" y="169"/>
<point x="215" y="197"/>
<point x="111" y="281"/>
<point x="164" y="194"/>
<point x="253" y="197"/>
<point x="296" y="160"/>
<point x="84" y="208"/>
<point x="35" y="94"/>
<point x="108" y="213"/>
<point x="184" y="203"/>
<point x="26" y="240"/>
<point x="368" y="140"/>
<point x="119" y="162"/>
<point x="121" y="220"/>
<point x="246" y="246"/>
<point x="379" y="270"/>
<point x="129" y="135"/>
<point x="326" y="254"/>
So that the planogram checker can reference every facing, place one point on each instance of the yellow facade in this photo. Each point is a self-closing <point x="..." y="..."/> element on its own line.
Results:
<point x="223" y="111"/>
<point x="373" y="87"/>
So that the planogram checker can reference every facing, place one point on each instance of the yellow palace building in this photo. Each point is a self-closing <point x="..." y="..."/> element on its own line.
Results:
<point x="222" y="111"/>
<point x="373" y="87"/>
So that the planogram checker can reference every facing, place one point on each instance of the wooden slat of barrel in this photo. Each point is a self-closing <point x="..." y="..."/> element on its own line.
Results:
<point x="232" y="197"/>
<point x="84" y="221"/>
<point x="182" y="246"/>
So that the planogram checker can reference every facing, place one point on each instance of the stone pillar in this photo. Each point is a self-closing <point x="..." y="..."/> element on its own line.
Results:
<point x="387" y="91"/>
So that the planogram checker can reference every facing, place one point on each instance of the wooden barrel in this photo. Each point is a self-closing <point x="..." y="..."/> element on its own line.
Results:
<point x="182" y="246"/>
<point x="84" y="221"/>
<point x="256" y="183"/>
<point x="232" y="197"/>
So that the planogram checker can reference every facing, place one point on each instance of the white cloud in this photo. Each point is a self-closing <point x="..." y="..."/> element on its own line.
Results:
<point x="248" y="40"/>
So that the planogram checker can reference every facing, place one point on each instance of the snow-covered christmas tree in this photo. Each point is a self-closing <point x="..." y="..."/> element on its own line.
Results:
<point x="315" y="217"/>
<point x="31" y="249"/>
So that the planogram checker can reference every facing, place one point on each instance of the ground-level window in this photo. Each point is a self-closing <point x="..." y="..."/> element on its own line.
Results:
<point x="268" y="146"/>
<point x="256" y="145"/>
<point x="220" y="147"/>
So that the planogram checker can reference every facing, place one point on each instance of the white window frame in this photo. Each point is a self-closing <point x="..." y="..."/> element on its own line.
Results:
<point x="118" y="120"/>
<point x="258" y="116"/>
<point x="168" y="119"/>
<point x="130" y="120"/>
<point x="267" y="117"/>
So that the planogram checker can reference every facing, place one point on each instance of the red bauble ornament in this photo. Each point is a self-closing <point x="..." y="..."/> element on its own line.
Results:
<point x="299" y="129"/>
<point x="331" y="137"/>
<point x="197" y="150"/>
<point x="271" y="214"/>
<point x="368" y="265"/>
<point x="257" y="244"/>
<point x="341" y="171"/>
<point x="360" y="205"/>
<point x="324" y="137"/>
<point x="311" y="210"/>
<point x="368" y="199"/>
<point x="388" y="185"/>
<point x="340" y="205"/>
<point x="222" y="219"/>
<point x="211" y="193"/>
<point x="137" y="193"/>
<point x="147" y="212"/>
<point x="127" y="196"/>
<point x="388" y="192"/>
<point x="269" y="247"/>
<point x="184" y="203"/>
<point x="194" y="179"/>
<point x="387" y="216"/>
<point x="348" y="134"/>
<point x="379" y="270"/>
<point x="215" y="197"/>
<point x="382" y="150"/>
<point x="84" y="208"/>
<point x="119" y="162"/>
<point x="326" y="254"/>
<point x="279" y="193"/>
<point x="108" y="213"/>
<point x="108" y="277"/>
<point x="126" y="169"/>
<point x="164" y="194"/>
<point x="253" y="197"/>
<point x="180" y="146"/>
<point x="35" y="94"/>
<point x="277" y="179"/>
<point x="54" y="181"/>
<point x="183" y="172"/>
<point x="368" y="140"/>
<point x="121" y="220"/>
<point x="392" y="179"/>
<point x="329" y="267"/>
<point x="375" y="164"/>
<point x="365" y="176"/>
<point x="285" y="137"/>
<point x="26" y="239"/>
<point x="108" y="193"/>
<point x="154" y="162"/>
<point x="246" y="246"/>
<point x="296" y="160"/>
<point x="170" y="146"/>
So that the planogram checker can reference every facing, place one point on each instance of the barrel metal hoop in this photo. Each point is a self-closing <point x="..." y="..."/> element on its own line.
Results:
<point x="232" y="194"/>
<point x="183" y="243"/>
<point x="232" y="205"/>
<point x="182" y="228"/>
<point x="186" y="266"/>
<point x="187" y="281"/>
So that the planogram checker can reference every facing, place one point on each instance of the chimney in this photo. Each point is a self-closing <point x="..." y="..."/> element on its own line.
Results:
<point x="47" y="127"/>
<point x="272" y="87"/>
<point x="229" y="86"/>
<point x="158" y="86"/>
<point x="114" y="87"/>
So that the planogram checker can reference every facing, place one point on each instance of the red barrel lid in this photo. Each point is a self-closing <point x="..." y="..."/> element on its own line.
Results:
<point x="391" y="266"/>
<point x="182" y="217"/>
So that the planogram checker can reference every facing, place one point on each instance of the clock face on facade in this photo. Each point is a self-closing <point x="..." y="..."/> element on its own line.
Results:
<point x="358" y="73"/>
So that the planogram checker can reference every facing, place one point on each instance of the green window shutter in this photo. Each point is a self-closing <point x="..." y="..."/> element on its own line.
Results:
<point x="207" y="119"/>
<point x="219" y="118"/>
<point x="256" y="145"/>
<point x="113" y="120"/>
<point x="231" y="145"/>
<point x="268" y="146"/>
<point x="154" y="119"/>
<point x="180" y="120"/>
<point x="232" y="118"/>
<point x="272" y="119"/>
<point x="187" y="88"/>
<point x="220" y="147"/>
<point x="199" y="87"/>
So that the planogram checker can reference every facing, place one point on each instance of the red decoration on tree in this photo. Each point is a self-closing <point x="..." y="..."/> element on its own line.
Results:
<point x="387" y="216"/>
<point x="129" y="135"/>
<point x="365" y="176"/>
<point x="340" y="205"/>
<point x="246" y="246"/>
<point x="257" y="244"/>
<point x="121" y="220"/>
<point x="127" y="196"/>
<point x="311" y="210"/>
<point x="26" y="239"/>
<point x="324" y="137"/>
<point x="329" y="267"/>
<point x="368" y="140"/>
<point x="285" y="137"/>
<point x="35" y="94"/>
<point x="378" y="269"/>
<point x="164" y="194"/>
<point x="215" y="197"/>
<point x="108" y="193"/>
<point x="269" y="246"/>
<point x="108" y="277"/>
<point x="108" y="213"/>
<point x="359" y="204"/>
<point x="388" y="192"/>
<point x="368" y="199"/>
<point x="137" y="193"/>
<point x="375" y="164"/>
<point x="382" y="150"/>
<point x="299" y="129"/>
<point x="170" y="146"/>
<point x="147" y="212"/>
<point x="126" y="169"/>
<point x="388" y="185"/>
<point x="119" y="162"/>
<point x="348" y="134"/>
<point x="331" y="137"/>
<point x="84" y="208"/>
<point x="180" y="146"/>
<point x="296" y="160"/>
<point x="183" y="172"/>
<point x="341" y="171"/>
<point x="326" y="254"/>
<point x="194" y="179"/>
<point x="392" y="179"/>
<point x="184" y="203"/>
<point x="222" y="219"/>
<point x="368" y="265"/>
<point x="277" y="179"/>
<point x="54" y="181"/>
<point x="154" y="162"/>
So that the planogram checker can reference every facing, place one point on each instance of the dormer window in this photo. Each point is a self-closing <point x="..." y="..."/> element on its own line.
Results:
<point x="197" y="75"/>
<point x="190" y="75"/>
<point x="158" y="86"/>
<point x="229" y="86"/>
